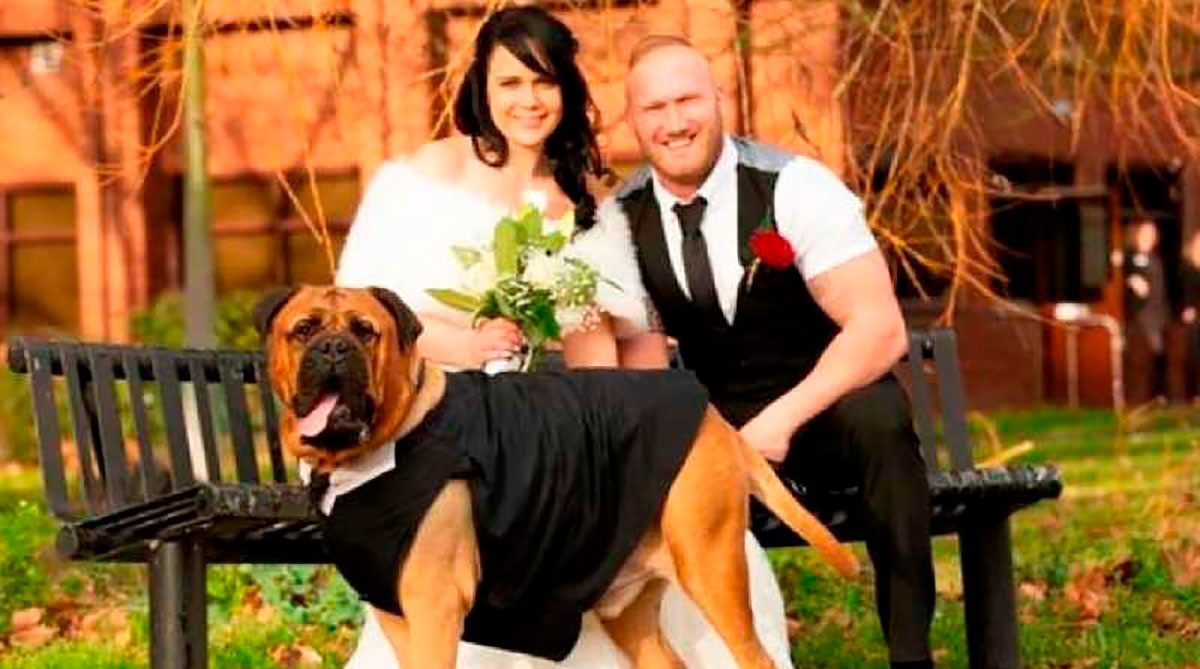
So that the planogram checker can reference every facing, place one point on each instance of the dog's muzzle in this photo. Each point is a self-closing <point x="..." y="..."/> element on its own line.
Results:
<point x="333" y="399"/>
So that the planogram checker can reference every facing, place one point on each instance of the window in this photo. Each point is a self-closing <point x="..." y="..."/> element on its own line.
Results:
<point x="39" y="273"/>
<point x="260" y="235"/>
<point x="1050" y="236"/>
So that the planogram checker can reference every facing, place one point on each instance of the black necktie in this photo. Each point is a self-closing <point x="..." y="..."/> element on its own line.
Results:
<point x="695" y="257"/>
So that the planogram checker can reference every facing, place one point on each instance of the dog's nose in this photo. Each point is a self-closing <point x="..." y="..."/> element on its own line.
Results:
<point x="334" y="346"/>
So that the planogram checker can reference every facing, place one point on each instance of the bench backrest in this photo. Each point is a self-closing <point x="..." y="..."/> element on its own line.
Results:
<point x="932" y="361"/>
<point x="119" y="395"/>
<point x="128" y="411"/>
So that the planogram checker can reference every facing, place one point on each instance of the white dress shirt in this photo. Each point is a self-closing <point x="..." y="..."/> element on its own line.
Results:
<point x="814" y="211"/>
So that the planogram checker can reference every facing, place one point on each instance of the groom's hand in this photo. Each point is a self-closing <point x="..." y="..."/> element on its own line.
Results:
<point x="770" y="433"/>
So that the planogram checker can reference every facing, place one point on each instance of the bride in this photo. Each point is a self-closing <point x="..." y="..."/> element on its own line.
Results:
<point x="525" y="116"/>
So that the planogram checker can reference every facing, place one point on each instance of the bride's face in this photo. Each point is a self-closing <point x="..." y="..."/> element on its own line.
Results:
<point x="526" y="106"/>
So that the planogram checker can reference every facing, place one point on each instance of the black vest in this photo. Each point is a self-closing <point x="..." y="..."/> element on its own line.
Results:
<point x="778" y="332"/>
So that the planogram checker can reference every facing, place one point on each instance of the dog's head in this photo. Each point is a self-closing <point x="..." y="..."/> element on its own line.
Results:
<point x="343" y="362"/>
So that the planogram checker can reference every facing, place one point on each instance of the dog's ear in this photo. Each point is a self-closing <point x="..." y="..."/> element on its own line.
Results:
<point x="268" y="307"/>
<point x="408" y="327"/>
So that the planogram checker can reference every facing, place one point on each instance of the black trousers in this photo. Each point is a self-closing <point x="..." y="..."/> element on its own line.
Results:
<point x="866" y="441"/>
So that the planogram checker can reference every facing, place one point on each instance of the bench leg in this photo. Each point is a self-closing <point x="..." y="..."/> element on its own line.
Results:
<point x="988" y="594"/>
<point x="178" y="622"/>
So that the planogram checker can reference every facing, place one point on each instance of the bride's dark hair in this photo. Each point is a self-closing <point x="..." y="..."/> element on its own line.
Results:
<point x="546" y="46"/>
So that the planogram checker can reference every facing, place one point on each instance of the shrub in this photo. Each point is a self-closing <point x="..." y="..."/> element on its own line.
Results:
<point x="25" y="533"/>
<point x="162" y="323"/>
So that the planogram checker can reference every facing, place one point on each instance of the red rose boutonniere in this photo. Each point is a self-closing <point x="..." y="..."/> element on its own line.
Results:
<point x="769" y="248"/>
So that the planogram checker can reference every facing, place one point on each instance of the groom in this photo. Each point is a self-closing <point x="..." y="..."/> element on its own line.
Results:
<point x="798" y="357"/>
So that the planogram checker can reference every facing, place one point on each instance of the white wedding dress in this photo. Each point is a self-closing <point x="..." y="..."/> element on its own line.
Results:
<point x="401" y="239"/>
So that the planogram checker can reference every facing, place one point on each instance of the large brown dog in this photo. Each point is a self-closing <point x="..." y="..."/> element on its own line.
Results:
<point x="357" y="346"/>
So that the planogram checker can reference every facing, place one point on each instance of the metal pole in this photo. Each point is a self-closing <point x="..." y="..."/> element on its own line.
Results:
<point x="178" y="620"/>
<point x="1072" y="366"/>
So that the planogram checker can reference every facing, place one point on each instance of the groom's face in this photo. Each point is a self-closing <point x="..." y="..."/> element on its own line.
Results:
<point x="675" y="112"/>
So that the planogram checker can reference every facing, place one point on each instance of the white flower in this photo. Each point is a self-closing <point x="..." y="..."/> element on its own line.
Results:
<point x="481" y="276"/>
<point x="543" y="270"/>
<point x="571" y="318"/>
<point x="535" y="198"/>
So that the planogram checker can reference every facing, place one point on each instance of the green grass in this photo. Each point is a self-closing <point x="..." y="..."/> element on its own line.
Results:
<point x="1129" y="516"/>
<point x="1122" y="535"/>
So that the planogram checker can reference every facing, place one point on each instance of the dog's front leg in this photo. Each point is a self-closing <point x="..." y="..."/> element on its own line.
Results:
<point x="438" y="580"/>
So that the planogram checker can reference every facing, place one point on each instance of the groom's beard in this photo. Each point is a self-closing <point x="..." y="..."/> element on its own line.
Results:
<point x="693" y="165"/>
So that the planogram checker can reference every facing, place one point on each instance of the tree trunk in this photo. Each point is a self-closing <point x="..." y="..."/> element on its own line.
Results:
<point x="199" y="282"/>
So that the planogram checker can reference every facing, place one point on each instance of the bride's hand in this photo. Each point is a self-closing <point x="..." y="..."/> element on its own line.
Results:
<point x="495" y="338"/>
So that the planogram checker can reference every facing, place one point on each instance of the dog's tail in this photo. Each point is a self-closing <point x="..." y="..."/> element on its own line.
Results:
<point x="766" y="486"/>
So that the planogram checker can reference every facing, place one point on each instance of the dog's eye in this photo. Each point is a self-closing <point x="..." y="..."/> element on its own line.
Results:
<point x="363" y="330"/>
<point x="304" y="329"/>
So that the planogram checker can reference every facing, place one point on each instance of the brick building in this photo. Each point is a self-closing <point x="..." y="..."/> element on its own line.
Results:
<point x="309" y="96"/>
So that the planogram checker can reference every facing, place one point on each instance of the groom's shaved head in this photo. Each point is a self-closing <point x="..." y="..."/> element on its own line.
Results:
<point x="673" y="48"/>
<point x="674" y="108"/>
<point x="652" y="43"/>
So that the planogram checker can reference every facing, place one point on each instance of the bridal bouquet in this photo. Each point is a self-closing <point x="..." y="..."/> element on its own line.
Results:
<point x="524" y="275"/>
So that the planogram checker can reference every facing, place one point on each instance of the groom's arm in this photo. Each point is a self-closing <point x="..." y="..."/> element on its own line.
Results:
<point x="858" y="296"/>
<point x="847" y="277"/>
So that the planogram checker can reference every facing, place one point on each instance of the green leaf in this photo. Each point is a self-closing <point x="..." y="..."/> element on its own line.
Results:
<point x="454" y="299"/>
<point x="489" y="306"/>
<point x="506" y="243"/>
<point x="543" y="322"/>
<point x="531" y="220"/>
<point x="553" y="242"/>
<point x="466" y="255"/>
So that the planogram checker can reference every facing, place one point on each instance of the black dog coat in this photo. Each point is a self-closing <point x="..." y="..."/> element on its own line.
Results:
<point x="567" y="471"/>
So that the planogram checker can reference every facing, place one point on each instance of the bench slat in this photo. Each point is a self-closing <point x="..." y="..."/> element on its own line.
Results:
<point x="271" y="422"/>
<point x="239" y="421"/>
<point x="954" y="410"/>
<point x="172" y="412"/>
<point x="113" y="466"/>
<point x="141" y="423"/>
<point x="82" y="424"/>
<point x="207" y="431"/>
<point x="922" y="399"/>
<point x="54" y="475"/>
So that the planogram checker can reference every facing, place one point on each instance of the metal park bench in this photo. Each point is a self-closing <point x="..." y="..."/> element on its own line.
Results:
<point x="130" y="485"/>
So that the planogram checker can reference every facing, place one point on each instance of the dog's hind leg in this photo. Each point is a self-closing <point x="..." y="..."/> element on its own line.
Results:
<point x="638" y="634"/>
<point x="708" y="548"/>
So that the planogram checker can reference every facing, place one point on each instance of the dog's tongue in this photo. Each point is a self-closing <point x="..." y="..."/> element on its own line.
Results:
<point x="312" y="424"/>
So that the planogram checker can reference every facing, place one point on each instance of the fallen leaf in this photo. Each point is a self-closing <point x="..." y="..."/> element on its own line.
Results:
<point x="109" y="623"/>
<point x="1089" y="593"/>
<point x="1033" y="590"/>
<point x="26" y="618"/>
<point x="265" y="615"/>
<point x="1185" y="565"/>
<point x="1168" y="619"/>
<point x="291" y="657"/>
<point x="1164" y="615"/>
<point x="32" y="637"/>
<point x="309" y="657"/>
